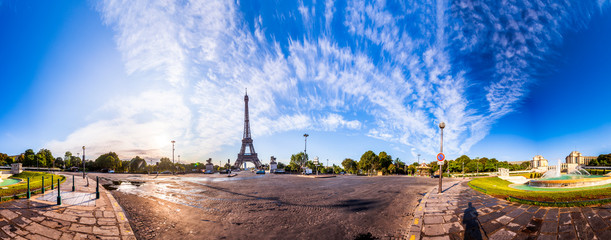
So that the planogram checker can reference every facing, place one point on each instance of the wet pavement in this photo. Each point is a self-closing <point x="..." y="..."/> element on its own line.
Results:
<point x="80" y="216"/>
<point x="462" y="213"/>
<point x="250" y="206"/>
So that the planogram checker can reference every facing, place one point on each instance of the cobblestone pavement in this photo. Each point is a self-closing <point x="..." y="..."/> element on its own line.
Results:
<point x="77" y="218"/>
<point x="462" y="213"/>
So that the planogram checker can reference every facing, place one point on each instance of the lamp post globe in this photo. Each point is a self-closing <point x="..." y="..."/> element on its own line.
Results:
<point x="442" y="125"/>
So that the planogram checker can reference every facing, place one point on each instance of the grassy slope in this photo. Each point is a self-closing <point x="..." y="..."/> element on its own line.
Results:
<point x="35" y="182"/>
<point x="500" y="188"/>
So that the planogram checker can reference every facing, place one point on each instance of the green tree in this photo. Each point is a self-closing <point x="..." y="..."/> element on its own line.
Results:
<point x="109" y="161"/>
<point x="350" y="165"/>
<point x="368" y="159"/>
<point x="337" y="169"/>
<point x="68" y="159"/>
<point x="59" y="162"/>
<point x="384" y="161"/>
<point x="137" y="164"/>
<point x="392" y="169"/>
<point x="165" y="164"/>
<point x="3" y="159"/>
<point x="299" y="159"/>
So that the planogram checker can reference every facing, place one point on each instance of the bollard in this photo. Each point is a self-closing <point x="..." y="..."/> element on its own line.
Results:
<point x="43" y="184"/>
<point x="52" y="182"/>
<point x="73" y="183"/>
<point x="59" y="194"/>
<point x="97" y="187"/>
<point x="28" y="193"/>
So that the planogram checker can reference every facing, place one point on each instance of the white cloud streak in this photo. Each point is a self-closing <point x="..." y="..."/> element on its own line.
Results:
<point x="192" y="60"/>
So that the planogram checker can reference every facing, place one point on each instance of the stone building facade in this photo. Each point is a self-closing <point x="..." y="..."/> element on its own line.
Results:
<point x="538" y="161"/>
<point x="575" y="157"/>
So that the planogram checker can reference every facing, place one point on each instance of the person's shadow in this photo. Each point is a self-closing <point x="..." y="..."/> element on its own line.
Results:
<point x="471" y="223"/>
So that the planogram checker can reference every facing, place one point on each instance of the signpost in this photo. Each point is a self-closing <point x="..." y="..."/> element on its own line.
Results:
<point x="441" y="156"/>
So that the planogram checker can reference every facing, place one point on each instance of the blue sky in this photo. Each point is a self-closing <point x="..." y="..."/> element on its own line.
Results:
<point x="511" y="80"/>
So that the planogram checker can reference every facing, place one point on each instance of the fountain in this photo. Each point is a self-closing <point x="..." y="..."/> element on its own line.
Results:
<point x="577" y="177"/>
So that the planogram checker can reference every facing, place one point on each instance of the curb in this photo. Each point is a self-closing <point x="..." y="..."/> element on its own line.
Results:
<point x="124" y="227"/>
<point x="415" y="228"/>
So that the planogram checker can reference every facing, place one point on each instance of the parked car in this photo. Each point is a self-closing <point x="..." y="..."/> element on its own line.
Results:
<point x="111" y="171"/>
<point x="435" y="176"/>
<point x="279" y="171"/>
<point x="224" y="171"/>
<point x="208" y="172"/>
<point x="261" y="172"/>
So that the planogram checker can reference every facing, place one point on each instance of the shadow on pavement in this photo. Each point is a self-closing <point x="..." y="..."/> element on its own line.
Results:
<point x="473" y="229"/>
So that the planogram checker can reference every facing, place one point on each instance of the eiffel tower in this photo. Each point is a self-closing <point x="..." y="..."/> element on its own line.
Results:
<point x="247" y="142"/>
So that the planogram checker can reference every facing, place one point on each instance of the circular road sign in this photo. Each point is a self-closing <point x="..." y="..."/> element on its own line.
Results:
<point x="441" y="157"/>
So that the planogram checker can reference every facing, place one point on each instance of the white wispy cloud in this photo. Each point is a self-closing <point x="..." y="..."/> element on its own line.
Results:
<point x="191" y="61"/>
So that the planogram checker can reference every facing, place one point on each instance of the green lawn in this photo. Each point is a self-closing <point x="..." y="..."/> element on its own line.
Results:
<point x="35" y="183"/>
<point x="500" y="188"/>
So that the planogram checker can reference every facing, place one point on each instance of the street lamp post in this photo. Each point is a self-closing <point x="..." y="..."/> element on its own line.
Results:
<point x="441" y="126"/>
<point x="173" y="156"/>
<point x="83" y="162"/>
<point x="305" y="149"/>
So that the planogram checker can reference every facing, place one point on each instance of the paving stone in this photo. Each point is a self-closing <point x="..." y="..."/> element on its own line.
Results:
<point x="8" y="214"/>
<point x="604" y="213"/>
<point x="81" y="228"/>
<point x="566" y="228"/>
<point x="491" y="227"/>
<point x="87" y="220"/>
<point x="43" y="230"/>
<point x="107" y="221"/>
<point x="504" y="219"/>
<point x="567" y="236"/>
<point x="533" y="226"/>
<point x="597" y="223"/>
<point x="549" y="227"/>
<point x="503" y="234"/>
<point x="21" y="221"/>
<point x="437" y="238"/>
<point x="490" y="217"/>
<point x="66" y="236"/>
<point x="515" y="213"/>
<point x="450" y="218"/>
<point x="552" y="214"/>
<point x="433" y="219"/>
<point x="584" y="232"/>
<point x="36" y="237"/>
<point x="433" y="230"/>
<point x="605" y="234"/>
<point x="540" y="213"/>
<point x="565" y="218"/>
<point x="532" y="209"/>
<point x="546" y="237"/>
<point x="453" y="227"/>
<point x="9" y="230"/>
<point x="109" y="214"/>
<point x="523" y="219"/>
<point x="109" y="230"/>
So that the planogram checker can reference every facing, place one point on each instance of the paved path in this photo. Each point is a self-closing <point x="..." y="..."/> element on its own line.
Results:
<point x="80" y="216"/>
<point x="462" y="213"/>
